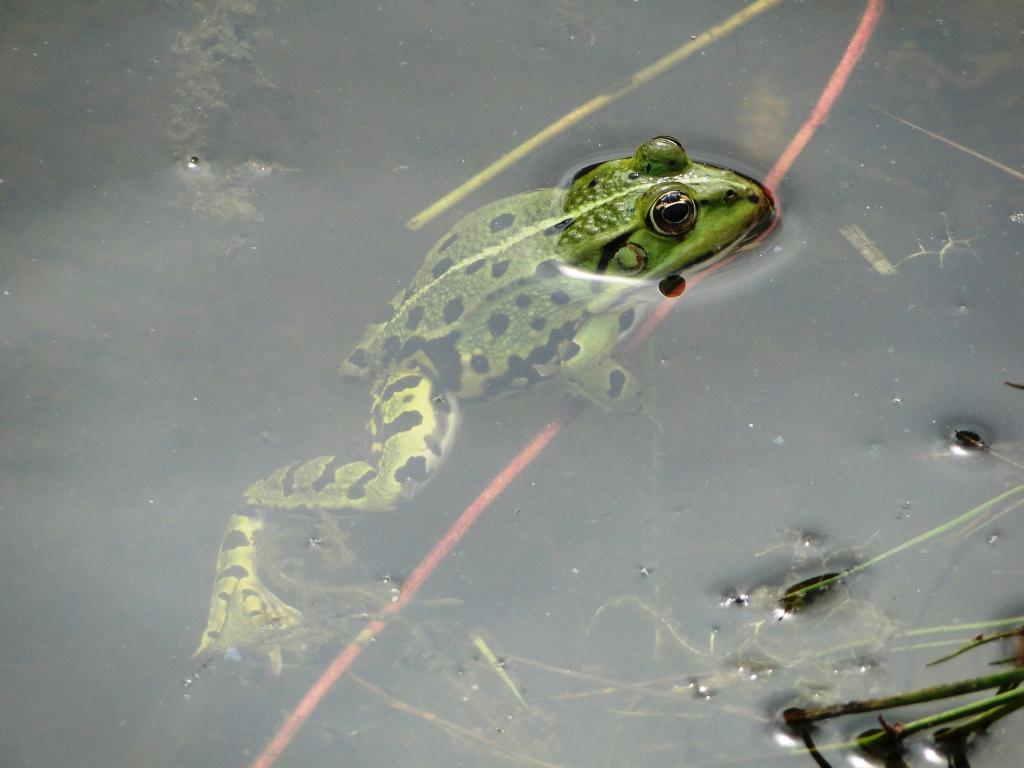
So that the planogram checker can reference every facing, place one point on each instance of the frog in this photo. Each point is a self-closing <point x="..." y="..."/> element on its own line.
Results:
<point x="538" y="285"/>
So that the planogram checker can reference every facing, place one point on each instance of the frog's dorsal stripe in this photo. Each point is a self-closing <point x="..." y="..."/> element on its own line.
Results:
<point x="553" y="225"/>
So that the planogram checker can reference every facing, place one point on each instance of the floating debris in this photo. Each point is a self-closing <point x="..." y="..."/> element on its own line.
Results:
<point x="866" y="247"/>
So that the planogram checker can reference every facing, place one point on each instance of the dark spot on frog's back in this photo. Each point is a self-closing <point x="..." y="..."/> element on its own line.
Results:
<point x="413" y="319"/>
<point x="479" y="364"/>
<point x="452" y="310"/>
<point x="443" y="356"/>
<point x="616" y="381"/>
<point x="499" y="268"/>
<point x="626" y="319"/>
<point x="441" y="267"/>
<point x="358" y="358"/>
<point x="559" y="297"/>
<point x="538" y="323"/>
<point x="448" y="243"/>
<point x="523" y="300"/>
<point x="547" y="268"/>
<point x="544" y="354"/>
<point x="391" y="346"/>
<point x="476" y="266"/>
<point x="414" y="469"/>
<point x="503" y="221"/>
<point x="498" y="323"/>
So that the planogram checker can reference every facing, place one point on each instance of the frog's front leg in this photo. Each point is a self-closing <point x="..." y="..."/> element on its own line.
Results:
<point x="410" y="428"/>
<point x="589" y="370"/>
<point x="242" y="607"/>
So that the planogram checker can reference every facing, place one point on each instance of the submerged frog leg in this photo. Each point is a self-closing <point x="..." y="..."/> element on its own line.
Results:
<point x="590" y="372"/>
<point x="242" y="607"/>
<point x="410" y="430"/>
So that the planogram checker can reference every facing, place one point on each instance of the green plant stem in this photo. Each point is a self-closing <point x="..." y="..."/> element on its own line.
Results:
<point x="977" y="642"/>
<point x="797" y="716"/>
<point x="1013" y="698"/>
<point x="976" y="723"/>
<point x="956" y="522"/>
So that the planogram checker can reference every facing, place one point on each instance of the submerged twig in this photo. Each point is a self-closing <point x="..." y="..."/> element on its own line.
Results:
<point x="949" y="142"/>
<point x="498" y="668"/>
<point x="455" y="728"/>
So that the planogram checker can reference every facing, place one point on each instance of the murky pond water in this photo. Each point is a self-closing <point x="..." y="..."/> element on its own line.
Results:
<point x="204" y="204"/>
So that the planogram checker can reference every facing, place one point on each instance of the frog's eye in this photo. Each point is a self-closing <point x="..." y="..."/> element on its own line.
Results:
<point x="673" y="213"/>
<point x="661" y="156"/>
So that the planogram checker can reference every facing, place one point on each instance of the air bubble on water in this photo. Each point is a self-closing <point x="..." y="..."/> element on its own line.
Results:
<point x="1017" y="217"/>
<point x="779" y="440"/>
<point x="784" y="739"/>
<point x="734" y="598"/>
<point x="192" y="163"/>
<point x="932" y="756"/>
<point x="905" y="505"/>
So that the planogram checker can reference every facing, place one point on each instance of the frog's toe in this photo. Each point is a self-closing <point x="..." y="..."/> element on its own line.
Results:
<point x="243" y="613"/>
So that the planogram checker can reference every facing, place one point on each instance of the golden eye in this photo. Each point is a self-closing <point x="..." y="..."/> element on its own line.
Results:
<point x="673" y="213"/>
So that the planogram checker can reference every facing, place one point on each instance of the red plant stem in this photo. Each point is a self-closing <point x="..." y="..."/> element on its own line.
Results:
<point x="834" y="87"/>
<point x="544" y="438"/>
<point x="836" y="83"/>
<point x="441" y="549"/>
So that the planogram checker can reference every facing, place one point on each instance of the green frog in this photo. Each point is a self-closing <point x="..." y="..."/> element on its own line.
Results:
<point x="535" y="285"/>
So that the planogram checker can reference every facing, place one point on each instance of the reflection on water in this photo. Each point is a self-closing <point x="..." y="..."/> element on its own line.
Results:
<point x="203" y="208"/>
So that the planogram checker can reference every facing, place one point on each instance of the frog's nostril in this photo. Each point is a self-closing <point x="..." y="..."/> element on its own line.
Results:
<point x="730" y="195"/>
<point x="754" y="197"/>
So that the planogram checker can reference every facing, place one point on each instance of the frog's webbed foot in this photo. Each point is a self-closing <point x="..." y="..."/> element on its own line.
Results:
<point x="243" y="611"/>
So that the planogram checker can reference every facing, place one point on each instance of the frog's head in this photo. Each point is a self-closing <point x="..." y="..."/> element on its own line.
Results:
<point x="659" y="213"/>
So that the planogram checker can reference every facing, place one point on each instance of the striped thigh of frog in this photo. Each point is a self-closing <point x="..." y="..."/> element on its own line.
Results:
<point x="410" y="432"/>
<point x="410" y="429"/>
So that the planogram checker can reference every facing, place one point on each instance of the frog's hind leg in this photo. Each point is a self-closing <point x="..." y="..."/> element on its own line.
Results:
<point x="410" y="429"/>
<point x="242" y="608"/>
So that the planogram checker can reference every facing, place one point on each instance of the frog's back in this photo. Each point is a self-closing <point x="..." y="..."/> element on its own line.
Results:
<point x="481" y="255"/>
